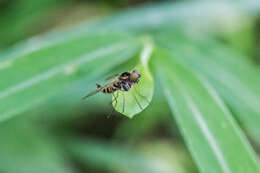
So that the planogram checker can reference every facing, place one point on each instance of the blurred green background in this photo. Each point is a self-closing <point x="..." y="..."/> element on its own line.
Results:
<point x="48" y="128"/>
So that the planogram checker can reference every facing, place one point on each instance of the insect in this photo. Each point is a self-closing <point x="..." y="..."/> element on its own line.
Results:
<point x="122" y="82"/>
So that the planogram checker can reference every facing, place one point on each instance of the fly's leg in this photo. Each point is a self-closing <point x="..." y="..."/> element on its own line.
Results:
<point x="114" y="98"/>
<point x="123" y="101"/>
<point x="137" y="102"/>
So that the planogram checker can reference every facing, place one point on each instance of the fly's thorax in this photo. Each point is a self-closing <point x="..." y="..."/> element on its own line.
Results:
<point x="117" y="84"/>
<point x="124" y="76"/>
<point x="126" y="85"/>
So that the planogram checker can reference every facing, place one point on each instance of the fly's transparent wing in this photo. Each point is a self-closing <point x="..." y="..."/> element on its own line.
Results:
<point x="91" y="93"/>
<point x="111" y="78"/>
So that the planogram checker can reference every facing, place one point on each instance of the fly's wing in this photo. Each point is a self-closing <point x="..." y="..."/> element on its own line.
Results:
<point x="111" y="78"/>
<point x="92" y="93"/>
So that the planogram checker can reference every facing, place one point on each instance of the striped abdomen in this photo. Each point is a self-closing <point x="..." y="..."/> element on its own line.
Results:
<point x="122" y="85"/>
<point x="108" y="90"/>
<point x="111" y="88"/>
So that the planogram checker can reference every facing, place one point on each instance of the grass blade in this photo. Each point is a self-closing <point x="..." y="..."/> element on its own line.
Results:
<point x="208" y="128"/>
<point x="34" y="77"/>
<point x="234" y="77"/>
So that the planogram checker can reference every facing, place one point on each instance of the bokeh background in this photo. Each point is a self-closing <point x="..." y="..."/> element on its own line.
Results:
<point x="67" y="135"/>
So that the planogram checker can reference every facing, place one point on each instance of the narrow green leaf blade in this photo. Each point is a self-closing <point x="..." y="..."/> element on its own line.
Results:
<point x="28" y="80"/>
<point x="213" y="137"/>
<point x="234" y="77"/>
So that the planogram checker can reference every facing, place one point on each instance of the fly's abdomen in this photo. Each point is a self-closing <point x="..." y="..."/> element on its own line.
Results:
<point x="107" y="90"/>
<point x="122" y="85"/>
<point x="117" y="86"/>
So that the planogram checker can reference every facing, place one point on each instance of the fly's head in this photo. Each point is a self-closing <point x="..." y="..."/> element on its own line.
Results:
<point x="134" y="76"/>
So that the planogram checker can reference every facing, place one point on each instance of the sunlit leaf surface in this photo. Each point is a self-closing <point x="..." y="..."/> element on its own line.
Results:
<point x="138" y="98"/>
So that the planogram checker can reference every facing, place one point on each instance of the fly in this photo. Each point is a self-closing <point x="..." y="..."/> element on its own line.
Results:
<point x="122" y="82"/>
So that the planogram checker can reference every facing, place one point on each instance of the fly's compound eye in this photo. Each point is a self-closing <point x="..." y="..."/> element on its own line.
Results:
<point x="125" y="74"/>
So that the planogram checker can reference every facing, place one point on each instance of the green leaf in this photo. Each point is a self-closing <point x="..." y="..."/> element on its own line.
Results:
<point x="234" y="77"/>
<point x="140" y="95"/>
<point x="213" y="137"/>
<point x="138" y="98"/>
<point x="32" y="78"/>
